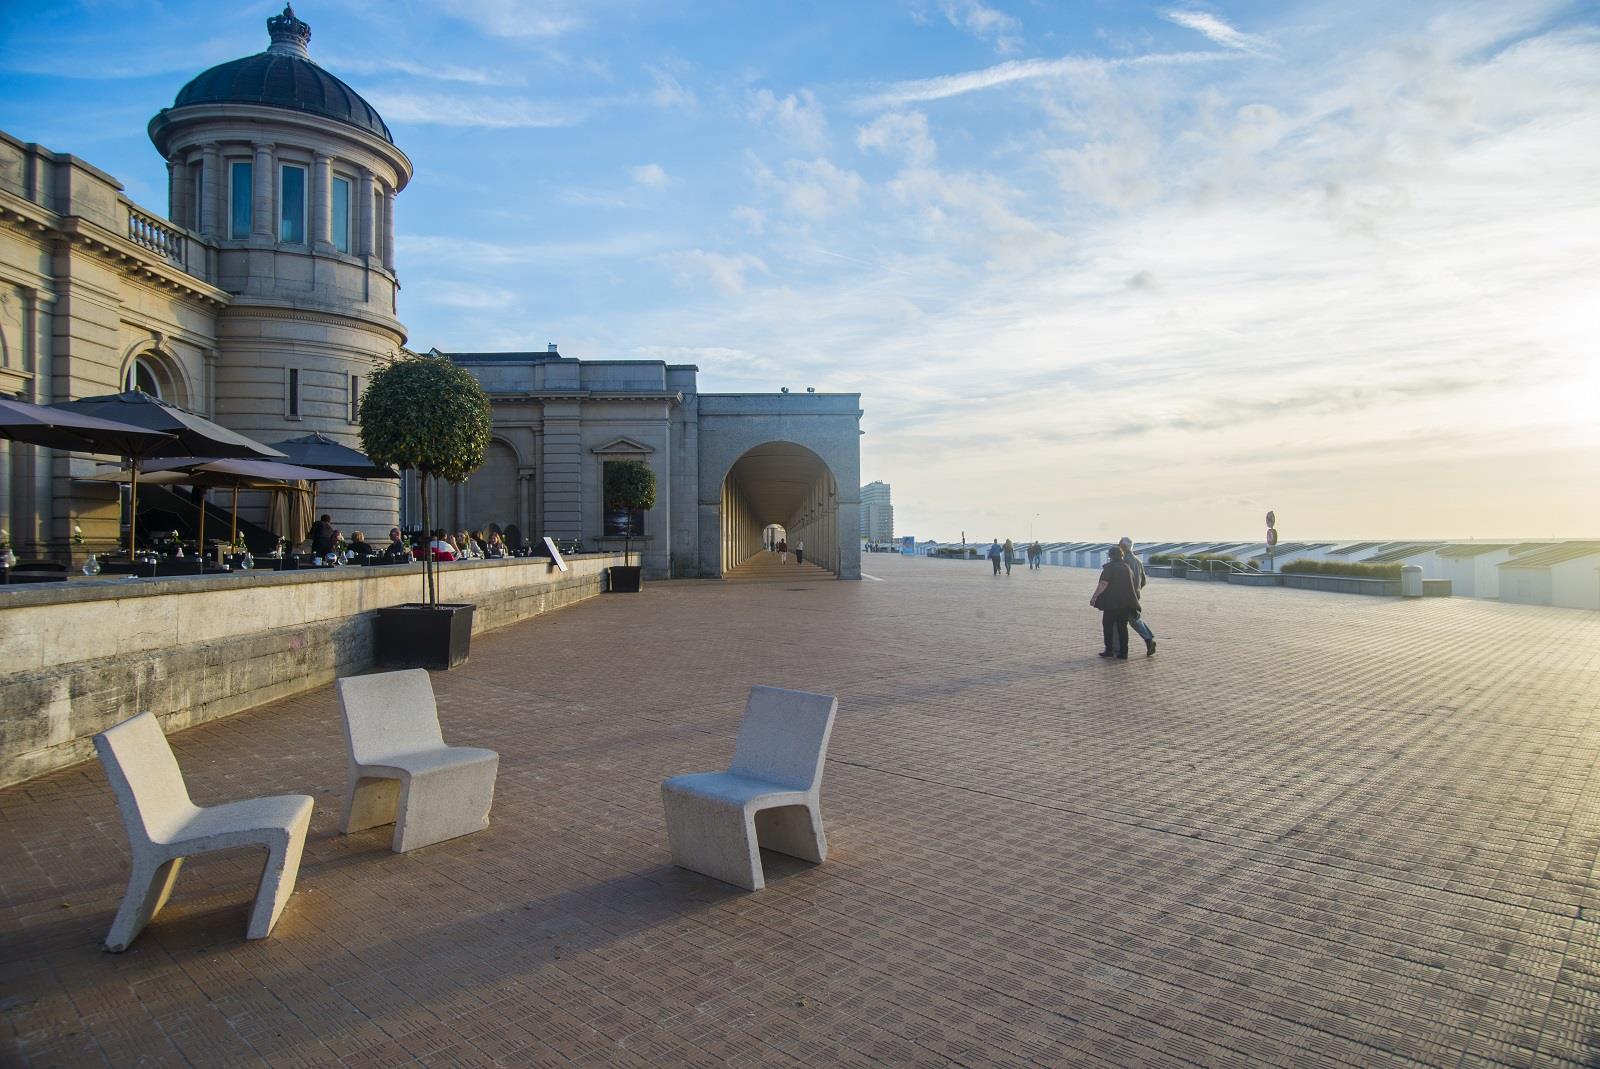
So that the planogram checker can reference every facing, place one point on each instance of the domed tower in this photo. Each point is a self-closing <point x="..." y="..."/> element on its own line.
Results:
<point x="291" y="177"/>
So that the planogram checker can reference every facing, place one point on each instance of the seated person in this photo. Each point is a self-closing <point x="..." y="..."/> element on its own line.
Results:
<point x="360" y="548"/>
<point x="483" y="546"/>
<point x="396" y="552"/>
<point x="495" y="548"/>
<point x="323" y="536"/>
<point x="466" y="548"/>
<point x="441" y="547"/>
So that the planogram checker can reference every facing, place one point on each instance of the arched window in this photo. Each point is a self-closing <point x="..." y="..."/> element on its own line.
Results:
<point x="142" y="377"/>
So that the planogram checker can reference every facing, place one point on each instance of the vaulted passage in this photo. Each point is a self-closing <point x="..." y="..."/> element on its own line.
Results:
<point x="783" y="484"/>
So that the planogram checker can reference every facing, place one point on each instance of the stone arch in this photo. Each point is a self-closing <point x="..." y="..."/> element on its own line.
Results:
<point x="825" y="427"/>
<point x="782" y="484"/>
<point x="492" y="491"/>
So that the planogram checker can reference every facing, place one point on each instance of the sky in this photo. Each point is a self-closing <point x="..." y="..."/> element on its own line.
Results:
<point x="1095" y="268"/>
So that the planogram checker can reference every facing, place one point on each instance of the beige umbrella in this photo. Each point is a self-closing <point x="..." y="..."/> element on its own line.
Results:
<point x="288" y="514"/>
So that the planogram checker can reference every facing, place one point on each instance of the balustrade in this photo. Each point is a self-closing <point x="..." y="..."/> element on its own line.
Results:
<point x="158" y="237"/>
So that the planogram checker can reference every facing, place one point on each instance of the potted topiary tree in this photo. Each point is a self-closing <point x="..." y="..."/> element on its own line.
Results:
<point x="428" y="415"/>
<point x="630" y="486"/>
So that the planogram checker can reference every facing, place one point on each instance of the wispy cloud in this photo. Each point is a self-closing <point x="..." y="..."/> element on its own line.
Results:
<point x="492" y="112"/>
<point x="813" y="189"/>
<point x="724" y="272"/>
<point x="439" y="72"/>
<point x="1220" y="32"/>
<point x="900" y="133"/>
<point x="650" y="175"/>
<point x="515" y="18"/>
<point x="797" y="116"/>
<point x="467" y="296"/>
<point x="668" y="92"/>
<point x="1016" y="71"/>
<point x="985" y="23"/>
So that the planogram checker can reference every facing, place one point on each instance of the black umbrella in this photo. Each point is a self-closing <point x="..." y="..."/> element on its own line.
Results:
<point x="57" y="429"/>
<point x="320" y="451"/>
<point x="188" y="435"/>
<point x="317" y="450"/>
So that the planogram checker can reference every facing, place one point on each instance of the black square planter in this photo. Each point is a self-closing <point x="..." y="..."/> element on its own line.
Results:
<point x="437" y="637"/>
<point x="625" y="580"/>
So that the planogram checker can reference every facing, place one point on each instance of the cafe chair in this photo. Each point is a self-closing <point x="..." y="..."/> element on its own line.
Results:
<point x="164" y="827"/>
<point x="769" y="797"/>
<point x="401" y="771"/>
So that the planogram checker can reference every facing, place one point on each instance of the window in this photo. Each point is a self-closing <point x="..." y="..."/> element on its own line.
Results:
<point x="239" y="198"/>
<point x="142" y="377"/>
<point x="341" y="219"/>
<point x="294" y="393"/>
<point x="621" y="523"/>
<point x="355" y="398"/>
<point x="292" y="201"/>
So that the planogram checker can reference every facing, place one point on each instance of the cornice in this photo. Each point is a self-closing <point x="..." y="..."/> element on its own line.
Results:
<point x="130" y="260"/>
<point x="242" y="306"/>
<point x="582" y="395"/>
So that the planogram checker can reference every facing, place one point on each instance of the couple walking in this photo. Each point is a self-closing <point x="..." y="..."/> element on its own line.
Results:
<point x="1117" y="598"/>
<point x="783" y="551"/>
<point x="998" y="553"/>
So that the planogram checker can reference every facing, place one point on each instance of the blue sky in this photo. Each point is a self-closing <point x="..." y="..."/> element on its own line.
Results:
<point x="1094" y="267"/>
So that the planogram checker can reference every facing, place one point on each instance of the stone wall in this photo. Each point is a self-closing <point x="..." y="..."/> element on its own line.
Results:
<point x="84" y="655"/>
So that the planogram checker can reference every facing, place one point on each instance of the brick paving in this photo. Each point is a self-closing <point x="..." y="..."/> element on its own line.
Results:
<point x="1315" y="829"/>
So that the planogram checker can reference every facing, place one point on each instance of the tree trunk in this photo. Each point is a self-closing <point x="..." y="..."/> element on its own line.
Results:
<point x="427" y="541"/>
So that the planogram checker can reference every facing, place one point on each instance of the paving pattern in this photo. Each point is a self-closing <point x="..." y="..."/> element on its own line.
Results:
<point x="1314" y="830"/>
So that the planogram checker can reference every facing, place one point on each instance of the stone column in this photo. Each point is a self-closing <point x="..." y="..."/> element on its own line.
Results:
<point x="525" y="504"/>
<point x="364" y="199"/>
<point x="177" y="171"/>
<point x="211" y="187"/>
<point x="321" y="202"/>
<point x="262" y="224"/>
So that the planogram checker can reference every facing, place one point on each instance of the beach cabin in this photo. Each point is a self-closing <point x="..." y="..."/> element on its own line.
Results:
<point x="1566" y="574"/>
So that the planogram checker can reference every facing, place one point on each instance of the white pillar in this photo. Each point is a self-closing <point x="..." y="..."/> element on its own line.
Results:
<point x="263" y="226"/>
<point x="321" y="202"/>
<point x="364" y="207"/>
<point x="211" y="186"/>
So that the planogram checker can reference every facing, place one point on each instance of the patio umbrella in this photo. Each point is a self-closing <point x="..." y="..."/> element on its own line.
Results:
<point x="317" y="450"/>
<point x="56" y="429"/>
<point x="288" y="515"/>
<point x="188" y="435"/>
<point x="226" y="473"/>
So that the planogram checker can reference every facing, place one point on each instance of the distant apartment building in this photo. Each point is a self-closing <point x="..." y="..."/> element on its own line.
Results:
<point x="877" y="514"/>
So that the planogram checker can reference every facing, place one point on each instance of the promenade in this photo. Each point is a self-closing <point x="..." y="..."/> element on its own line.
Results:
<point x="1314" y="830"/>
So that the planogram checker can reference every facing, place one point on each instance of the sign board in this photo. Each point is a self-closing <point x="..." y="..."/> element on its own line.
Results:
<point x="555" y="554"/>
<point x="908" y="545"/>
<point x="1272" y="536"/>
<point x="1272" y="519"/>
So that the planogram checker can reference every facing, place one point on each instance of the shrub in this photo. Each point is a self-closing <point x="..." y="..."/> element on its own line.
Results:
<point x="1344" y="569"/>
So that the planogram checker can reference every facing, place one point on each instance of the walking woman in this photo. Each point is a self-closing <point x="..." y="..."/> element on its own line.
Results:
<point x="1118" y="602"/>
<point x="783" y="551"/>
<point x="1010" y="553"/>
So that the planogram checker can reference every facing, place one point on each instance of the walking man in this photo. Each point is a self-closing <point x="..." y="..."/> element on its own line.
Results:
<point x="1118" y="601"/>
<point x="994" y="555"/>
<point x="1136" y="566"/>
<point x="1035" y="555"/>
<point x="800" y="551"/>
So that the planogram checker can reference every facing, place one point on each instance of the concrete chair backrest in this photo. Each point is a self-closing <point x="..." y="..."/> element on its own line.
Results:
<point x="784" y="737"/>
<point x="389" y="713"/>
<point x="145" y="778"/>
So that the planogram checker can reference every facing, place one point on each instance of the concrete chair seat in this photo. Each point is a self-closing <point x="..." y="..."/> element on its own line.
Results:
<point x="164" y="827"/>
<point x="717" y="822"/>
<point x="401" y="771"/>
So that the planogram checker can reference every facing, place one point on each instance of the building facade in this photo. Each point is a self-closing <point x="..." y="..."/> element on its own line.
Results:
<point x="877" y="513"/>
<point x="267" y="296"/>
<point x="262" y="300"/>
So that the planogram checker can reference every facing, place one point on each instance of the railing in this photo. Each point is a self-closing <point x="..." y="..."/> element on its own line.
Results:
<point x="1212" y="567"/>
<point x="158" y="237"/>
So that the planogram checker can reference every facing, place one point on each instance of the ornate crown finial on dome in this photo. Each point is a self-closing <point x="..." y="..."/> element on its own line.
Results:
<point x="289" y="34"/>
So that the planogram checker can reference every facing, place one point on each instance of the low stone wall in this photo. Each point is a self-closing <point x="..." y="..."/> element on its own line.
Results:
<point x="83" y="655"/>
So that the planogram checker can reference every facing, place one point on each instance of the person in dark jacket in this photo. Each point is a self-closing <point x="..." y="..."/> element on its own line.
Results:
<point x="1139" y="580"/>
<point x="1118" y="601"/>
<point x="994" y="555"/>
<point x="323" y="536"/>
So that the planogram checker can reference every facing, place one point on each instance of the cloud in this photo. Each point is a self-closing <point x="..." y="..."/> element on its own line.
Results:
<point x="1015" y="71"/>
<point x="515" y="18"/>
<point x="492" y="112"/>
<point x="754" y="219"/>
<point x="815" y="188"/>
<point x="440" y="72"/>
<point x="650" y="175"/>
<point x="468" y="296"/>
<point x="901" y="133"/>
<point x="797" y="116"/>
<point x="724" y="272"/>
<point x="669" y="93"/>
<point x="985" y="23"/>
<point x="1219" y="32"/>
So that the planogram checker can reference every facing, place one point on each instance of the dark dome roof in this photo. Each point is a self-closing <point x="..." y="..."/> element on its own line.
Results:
<point x="284" y="76"/>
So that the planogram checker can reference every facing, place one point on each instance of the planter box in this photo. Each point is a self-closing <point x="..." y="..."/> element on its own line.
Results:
<point x="1256" y="579"/>
<point x="1436" y="588"/>
<point x="626" y="580"/>
<point x="1340" y="584"/>
<point x="1158" y="571"/>
<point x="437" y="637"/>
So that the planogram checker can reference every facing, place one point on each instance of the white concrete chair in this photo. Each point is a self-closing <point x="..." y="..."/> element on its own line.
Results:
<point x="164" y="827"/>
<point x="401" y="772"/>
<point x="770" y="796"/>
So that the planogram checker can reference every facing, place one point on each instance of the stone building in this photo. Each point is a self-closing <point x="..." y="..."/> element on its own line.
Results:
<point x="267" y="295"/>
<point x="263" y="299"/>
<point x="877" y="513"/>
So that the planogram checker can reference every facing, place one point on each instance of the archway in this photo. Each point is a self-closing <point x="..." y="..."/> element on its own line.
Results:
<point x="783" y="485"/>
<point x="157" y="374"/>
